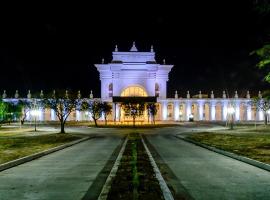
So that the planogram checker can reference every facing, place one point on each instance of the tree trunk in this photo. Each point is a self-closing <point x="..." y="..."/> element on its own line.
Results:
<point x="265" y="118"/>
<point x="133" y="121"/>
<point x="105" y="117"/>
<point x="62" y="127"/>
<point x="154" y="119"/>
<point x="95" y="120"/>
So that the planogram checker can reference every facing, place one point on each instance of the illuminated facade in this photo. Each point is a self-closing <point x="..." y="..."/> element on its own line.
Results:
<point x="137" y="74"/>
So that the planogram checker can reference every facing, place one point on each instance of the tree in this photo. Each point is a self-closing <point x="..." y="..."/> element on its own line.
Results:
<point x="262" y="7"/>
<point x="13" y="111"/>
<point x="152" y="111"/>
<point x="2" y="110"/>
<point x="62" y="104"/>
<point x="263" y="104"/>
<point x="106" y="110"/>
<point x="26" y="106"/>
<point x="134" y="109"/>
<point x="264" y="56"/>
<point x="95" y="109"/>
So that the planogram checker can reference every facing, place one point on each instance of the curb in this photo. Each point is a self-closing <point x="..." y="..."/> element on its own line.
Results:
<point x="107" y="186"/>
<point x="249" y="161"/>
<point x="163" y="186"/>
<point x="25" y="159"/>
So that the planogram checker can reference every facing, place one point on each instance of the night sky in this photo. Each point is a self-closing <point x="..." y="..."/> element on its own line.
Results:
<point x="209" y="44"/>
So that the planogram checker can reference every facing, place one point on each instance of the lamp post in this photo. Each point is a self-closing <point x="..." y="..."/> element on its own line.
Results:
<point x="231" y="111"/>
<point x="35" y="113"/>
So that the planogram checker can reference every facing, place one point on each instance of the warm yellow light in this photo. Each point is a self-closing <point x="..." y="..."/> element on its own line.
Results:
<point x="134" y="91"/>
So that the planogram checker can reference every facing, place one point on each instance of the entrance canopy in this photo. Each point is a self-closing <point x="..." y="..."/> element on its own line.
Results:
<point x="117" y="99"/>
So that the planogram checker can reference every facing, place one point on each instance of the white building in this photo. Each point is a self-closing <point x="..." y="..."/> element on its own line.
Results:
<point x="137" y="74"/>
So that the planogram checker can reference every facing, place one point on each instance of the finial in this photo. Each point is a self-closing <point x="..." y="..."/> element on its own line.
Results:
<point x="16" y="94"/>
<point x="188" y="95"/>
<point x="66" y="95"/>
<point x="224" y="95"/>
<point x="176" y="95"/>
<point x="116" y="48"/>
<point x="91" y="95"/>
<point x="248" y="95"/>
<point x="236" y="95"/>
<point x="200" y="94"/>
<point x="260" y="94"/>
<point x="152" y="48"/>
<point x="79" y="94"/>
<point x="41" y="94"/>
<point x="29" y="94"/>
<point x="4" y="94"/>
<point x="212" y="95"/>
<point x="164" y="62"/>
<point x="134" y="48"/>
<point x="102" y="60"/>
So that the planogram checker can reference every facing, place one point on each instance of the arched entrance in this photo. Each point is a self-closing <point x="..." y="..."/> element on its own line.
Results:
<point x="133" y="91"/>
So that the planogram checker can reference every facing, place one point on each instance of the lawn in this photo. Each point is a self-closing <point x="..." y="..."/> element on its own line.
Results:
<point x="249" y="143"/>
<point x="12" y="148"/>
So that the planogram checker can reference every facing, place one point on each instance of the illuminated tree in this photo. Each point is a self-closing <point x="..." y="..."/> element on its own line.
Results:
<point x="62" y="104"/>
<point x="26" y="106"/>
<point x="134" y="109"/>
<point x="2" y="110"/>
<point x="263" y="104"/>
<point x="152" y="111"/>
<point x="95" y="108"/>
<point x="106" y="110"/>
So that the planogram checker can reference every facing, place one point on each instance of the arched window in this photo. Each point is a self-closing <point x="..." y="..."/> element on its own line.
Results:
<point x="134" y="91"/>
<point x="157" y="90"/>
<point x="111" y="87"/>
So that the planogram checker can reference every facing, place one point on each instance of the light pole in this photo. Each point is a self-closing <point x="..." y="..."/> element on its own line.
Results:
<point x="231" y="111"/>
<point x="35" y="113"/>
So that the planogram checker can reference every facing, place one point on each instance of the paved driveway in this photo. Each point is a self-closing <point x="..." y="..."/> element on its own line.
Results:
<point x="66" y="174"/>
<point x="208" y="175"/>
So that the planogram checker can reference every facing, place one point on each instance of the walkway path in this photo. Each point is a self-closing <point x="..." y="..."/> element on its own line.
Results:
<point x="66" y="174"/>
<point x="208" y="175"/>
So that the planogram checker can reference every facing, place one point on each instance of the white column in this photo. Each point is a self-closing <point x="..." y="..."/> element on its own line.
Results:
<point x="237" y="111"/>
<point x="248" y="112"/>
<point x="53" y="117"/>
<point x="212" y="107"/>
<point x="117" y="114"/>
<point x="188" y="109"/>
<point x="164" y="110"/>
<point x="78" y="115"/>
<point x="200" y="110"/>
<point x="42" y="114"/>
<point x="224" y="110"/>
<point x="176" y="111"/>
<point x="260" y="115"/>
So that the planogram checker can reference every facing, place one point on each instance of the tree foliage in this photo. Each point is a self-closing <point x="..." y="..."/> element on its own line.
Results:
<point x="106" y="109"/>
<point x="152" y="111"/>
<point x="62" y="104"/>
<point x="134" y="109"/>
<point x="263" y="104"/>
<point x="95" y="109"/>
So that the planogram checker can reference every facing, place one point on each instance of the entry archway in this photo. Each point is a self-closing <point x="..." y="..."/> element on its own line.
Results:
<point x="134" y="91"/>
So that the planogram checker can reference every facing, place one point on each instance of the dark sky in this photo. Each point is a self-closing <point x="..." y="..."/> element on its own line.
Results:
<point x="209" y="43"/>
